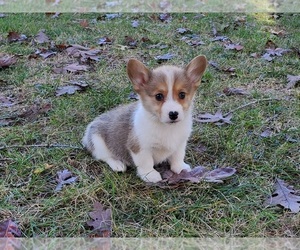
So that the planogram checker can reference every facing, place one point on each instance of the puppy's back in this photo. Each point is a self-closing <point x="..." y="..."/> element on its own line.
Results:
<point x="114" y="127"/>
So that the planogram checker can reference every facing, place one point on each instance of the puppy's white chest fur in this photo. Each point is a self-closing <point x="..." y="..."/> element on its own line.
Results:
<point x="161" y="139"/>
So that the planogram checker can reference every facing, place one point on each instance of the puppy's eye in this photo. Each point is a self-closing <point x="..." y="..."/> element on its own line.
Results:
<point x="181" y="95"/>
<point x="159" y="97"/>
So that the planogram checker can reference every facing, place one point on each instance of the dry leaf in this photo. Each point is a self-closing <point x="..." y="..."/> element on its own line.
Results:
<point x="71" y="89"/>
<point x="292" y="81"/>
<point x="130" y="41"/>
<point x="272" y="53"/>
<point x="101" y="220"/>
<point x="197" y="174"/>
<point x="229" y="70"/>
<point x="6" y="101"/>
<point x="164" y="57"/>
<point x="42" y="53"/>
<point x="135" y="23"/>
<point x="217" y="118"/>
<point x="73" y="68"/>
<point x="233" y="46"/>
<point x="39" y="170"/>
<point x="266" y="133"/>
<point x="105" y="41"/>
<point x="64" y="177"/>
<point x="285" y="196"/>
<point x="41" y="37"/>
<point x="7" y="60"/>
<point x="220" y="38"/>
<point x="29" y="114"/>
<point x="165" y="17"/>
<point x="9" y="229"/>
<point x="280" y="33"/>
<point x="15" y="37"/>
<point x="83" y="53"/>
<point x="270" y="45"/>
<point x="183" y="31"/>
<point x="234" y="91"/>
<point x="84" y="23"/>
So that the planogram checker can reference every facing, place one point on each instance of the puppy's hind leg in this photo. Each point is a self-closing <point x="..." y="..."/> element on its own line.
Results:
<point x="101" y="152"/>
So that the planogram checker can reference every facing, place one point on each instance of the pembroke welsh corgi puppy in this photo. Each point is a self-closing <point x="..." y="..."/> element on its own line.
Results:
<point x="155" y="128"/>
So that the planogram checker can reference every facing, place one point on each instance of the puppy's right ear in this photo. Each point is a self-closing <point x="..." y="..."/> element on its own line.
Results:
<point x="138" y="73"/>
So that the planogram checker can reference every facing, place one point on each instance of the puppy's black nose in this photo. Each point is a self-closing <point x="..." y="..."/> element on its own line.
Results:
<point x="173" y="115"/>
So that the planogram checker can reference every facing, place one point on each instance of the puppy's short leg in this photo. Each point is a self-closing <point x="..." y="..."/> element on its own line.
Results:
<point x="176" y="160"/>
<point x="101" y="152"/>
<point x="144" y="162"/>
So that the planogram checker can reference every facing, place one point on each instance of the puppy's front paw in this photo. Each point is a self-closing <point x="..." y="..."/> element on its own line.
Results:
<point x="116" y="165"/>
<point x="153" y="176"/>
<point x="178" y="168"/>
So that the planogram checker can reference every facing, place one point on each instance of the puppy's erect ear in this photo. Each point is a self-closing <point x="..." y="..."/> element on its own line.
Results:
<point x="195" y="69"/>
<point x="138" y="73"/>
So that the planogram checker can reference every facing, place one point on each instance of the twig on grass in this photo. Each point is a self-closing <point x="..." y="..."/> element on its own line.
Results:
<point x="41" y="146"/>
<point x="251" y="103"/>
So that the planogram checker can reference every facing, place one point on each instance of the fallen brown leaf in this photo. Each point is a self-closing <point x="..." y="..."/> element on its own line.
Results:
<point x="130" y="41"/>
<point x="9" y="229"/>
<point x="234" y="91"/>
<point x="217" y="118"/>
<point x="164" y="57"/>
<point x="285" y="196"/>
<point x="105" y="41"/>
<point x="72" y="68"/>
<point x="15" y="37"/>
<point x="71" y="89"/>
<point x="83" y="53"/>
<point x="266" y="133"/>
<point x="84" y="23"/>
<point x="101" y="220"/>
<point x="292" y="81"/>
<point x="6" y="101"/>
<point x="280" y="33"/>
<point x="270" y="45"/>
<point x="197" y="174"/>
<point x="41" y="37"/>
<point x="7" y="60"/>
<point x="232" y="46"/>
<point x="63" y="178"/>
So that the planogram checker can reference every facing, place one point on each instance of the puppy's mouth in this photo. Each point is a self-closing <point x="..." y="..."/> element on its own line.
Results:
<point x="173" y="122"/>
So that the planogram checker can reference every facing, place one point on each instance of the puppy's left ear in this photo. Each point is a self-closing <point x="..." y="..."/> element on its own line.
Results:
<point x="195" y="69"/>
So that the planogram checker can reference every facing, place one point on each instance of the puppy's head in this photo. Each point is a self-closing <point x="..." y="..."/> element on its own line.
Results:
<point x="167" y="92"/>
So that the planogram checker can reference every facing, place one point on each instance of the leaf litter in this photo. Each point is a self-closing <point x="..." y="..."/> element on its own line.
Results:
<point x="9" y="229"/>
<point x="235" y="91"/>
<point x="292" y="81"/>
<point x="284" y="195"/>
<point x="41" y="37"/>
<point x="71" y="89"/>
<point x="64" y="177"/>
<point x="29" y="114"/>
<point x="218" y="118"/>
<point x="7" y="60"/>
<point x="272" y="51"/>
<point x="164" y="57"/>
<point x="70" y="68"/>
<point x="83" y="53"/>
<point x="14" y="36"/>
<point x="196" y="175"/>
<point x="101" y="220"/>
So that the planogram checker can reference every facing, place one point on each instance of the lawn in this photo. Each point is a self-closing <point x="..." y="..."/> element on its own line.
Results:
<point x="40" y="131"/>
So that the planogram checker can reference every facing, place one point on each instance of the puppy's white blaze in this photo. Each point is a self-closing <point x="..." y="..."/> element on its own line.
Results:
<point x="170" y="105"/>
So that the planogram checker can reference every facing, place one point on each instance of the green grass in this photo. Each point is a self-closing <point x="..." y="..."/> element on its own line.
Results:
<point x="234" y="208"/>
